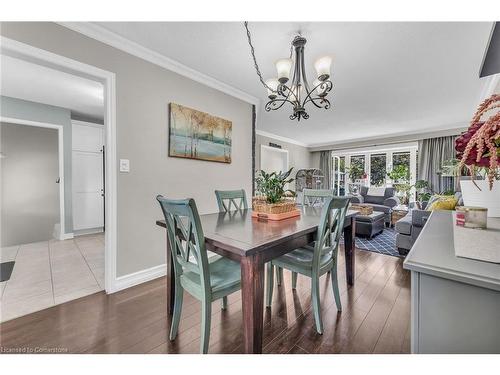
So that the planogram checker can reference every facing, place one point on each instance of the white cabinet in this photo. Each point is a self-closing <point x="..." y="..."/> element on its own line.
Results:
<point x="455" y="302"/>
<point x="88" y="181"/>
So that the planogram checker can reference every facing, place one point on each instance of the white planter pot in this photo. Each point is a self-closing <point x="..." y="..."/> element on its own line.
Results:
<point x="482" y="198"/>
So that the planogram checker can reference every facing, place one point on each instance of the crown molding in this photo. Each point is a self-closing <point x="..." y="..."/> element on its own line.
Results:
<point x="112" y="39"/>
<point x="453" y="129"/>
<point x="280" y="138"/>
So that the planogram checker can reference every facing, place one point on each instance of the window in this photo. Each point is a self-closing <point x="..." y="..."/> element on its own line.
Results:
<point x="401" y="162"/>
<point x="378" y="169"/>
<point x="357" y="170"/>
<point x="339" y="175"/>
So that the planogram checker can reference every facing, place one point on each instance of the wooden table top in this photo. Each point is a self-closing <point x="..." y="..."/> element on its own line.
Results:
<point x="239" y="233"/>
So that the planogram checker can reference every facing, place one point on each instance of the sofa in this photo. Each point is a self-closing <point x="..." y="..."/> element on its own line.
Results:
<point x="381" y="199"/>
<point x="409" y="227"/>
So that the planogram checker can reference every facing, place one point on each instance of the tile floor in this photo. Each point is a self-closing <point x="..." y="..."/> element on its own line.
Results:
<point x="51" y="272"/>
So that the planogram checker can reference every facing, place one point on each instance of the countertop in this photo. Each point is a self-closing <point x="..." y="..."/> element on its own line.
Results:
<point x="434" y="254"/>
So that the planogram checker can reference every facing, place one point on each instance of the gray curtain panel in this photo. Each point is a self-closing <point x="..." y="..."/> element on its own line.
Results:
<point x="432" y="153"/>
<point x="326" y="166"/>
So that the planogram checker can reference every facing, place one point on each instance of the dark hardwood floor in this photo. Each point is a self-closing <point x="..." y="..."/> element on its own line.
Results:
<point x="375" y="318"/>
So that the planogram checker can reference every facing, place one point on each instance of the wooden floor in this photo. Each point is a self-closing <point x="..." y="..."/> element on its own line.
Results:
<point x="375" y="318"/>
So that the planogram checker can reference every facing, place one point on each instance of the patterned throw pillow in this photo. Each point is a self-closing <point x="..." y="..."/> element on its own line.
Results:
<point x="441" y="202"/>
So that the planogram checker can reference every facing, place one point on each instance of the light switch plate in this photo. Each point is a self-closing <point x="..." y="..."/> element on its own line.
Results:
<point x="124" y="165"/>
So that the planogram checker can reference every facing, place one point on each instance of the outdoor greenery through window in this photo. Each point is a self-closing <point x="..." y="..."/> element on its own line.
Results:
<point x="357" y="169"/>
<point x="401" y="162"/>
<point x="378" y="169"/>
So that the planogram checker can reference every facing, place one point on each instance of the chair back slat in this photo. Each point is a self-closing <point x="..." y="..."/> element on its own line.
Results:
<point x="227" y="199"/>
<point x="186" y="239"/>
<point x="313" y="197"/>
<point x="330" y="227"/>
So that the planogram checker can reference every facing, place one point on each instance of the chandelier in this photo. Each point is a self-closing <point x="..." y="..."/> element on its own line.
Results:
<point x="297" y="92"/>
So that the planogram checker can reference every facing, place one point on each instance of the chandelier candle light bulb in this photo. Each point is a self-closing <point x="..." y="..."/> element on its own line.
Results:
<point x="273" y="85"/>
<point x="283" y="67"/>
<point x="323" y="66"/>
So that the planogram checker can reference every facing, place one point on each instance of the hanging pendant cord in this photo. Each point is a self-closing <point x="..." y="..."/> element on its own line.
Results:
<point x="252" y="51"/>
<point x="256" y="66"/>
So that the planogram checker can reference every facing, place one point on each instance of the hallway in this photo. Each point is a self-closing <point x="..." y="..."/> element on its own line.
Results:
<point x="51" y="272"/>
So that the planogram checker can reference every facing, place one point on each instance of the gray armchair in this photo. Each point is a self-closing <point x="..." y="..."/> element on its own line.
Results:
<point x="383" y="203"/>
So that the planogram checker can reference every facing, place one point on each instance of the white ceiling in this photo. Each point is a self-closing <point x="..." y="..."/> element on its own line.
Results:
<point x="389" y="78"/>
<point x="24" y="80"/>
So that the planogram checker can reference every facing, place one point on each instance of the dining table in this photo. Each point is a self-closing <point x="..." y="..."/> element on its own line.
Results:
<point x="252" y="242"/>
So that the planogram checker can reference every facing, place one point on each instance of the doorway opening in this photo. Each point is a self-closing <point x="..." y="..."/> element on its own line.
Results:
<point x="72" y="105"/>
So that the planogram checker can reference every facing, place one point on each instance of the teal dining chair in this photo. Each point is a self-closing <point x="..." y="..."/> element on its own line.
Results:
<point x="205" y="280"/>
<point x="317" y="259"/>
<point x="312" y="196"/>
<point x="226" y="199"/>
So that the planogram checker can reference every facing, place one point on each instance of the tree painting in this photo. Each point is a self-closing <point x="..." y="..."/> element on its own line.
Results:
<point x="198" y="135"/>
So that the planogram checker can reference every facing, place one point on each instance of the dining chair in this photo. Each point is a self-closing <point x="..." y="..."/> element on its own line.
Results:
<point x="318" y="259"/>
<point x="206" y="280"/>
<point x="227" y="199"/>
<point x="311" y="196"/>
<point x="231" y="198"/>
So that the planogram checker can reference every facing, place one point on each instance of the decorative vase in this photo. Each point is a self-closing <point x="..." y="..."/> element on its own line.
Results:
<point x="485" y="197"/>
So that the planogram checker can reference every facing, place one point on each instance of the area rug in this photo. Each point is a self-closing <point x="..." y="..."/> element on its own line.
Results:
<point x="384" y="243"/>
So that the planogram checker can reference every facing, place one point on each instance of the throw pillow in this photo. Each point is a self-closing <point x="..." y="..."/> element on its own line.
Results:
<point x="442" y="202"/>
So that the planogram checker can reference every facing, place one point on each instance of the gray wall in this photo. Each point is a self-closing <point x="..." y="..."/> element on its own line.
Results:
<point x="143" y="91"/>
<point x="298" y="156"/>
<point x="31" y="111"/>
<point x="30" y="195"/>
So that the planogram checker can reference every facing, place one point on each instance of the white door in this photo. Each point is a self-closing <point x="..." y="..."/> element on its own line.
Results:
<point x="88" y="184"/>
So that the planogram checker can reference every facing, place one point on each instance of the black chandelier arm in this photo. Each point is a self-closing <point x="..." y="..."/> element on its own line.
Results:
<point x="282" y="89"/>
<point x="310" y="98"/>
<point x="273" y="106"/>
<point x="323" y="102"/>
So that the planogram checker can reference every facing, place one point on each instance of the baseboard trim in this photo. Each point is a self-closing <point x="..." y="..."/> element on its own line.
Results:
<point x="61" y="236"/>
<point x="139" y="277"/>
<point x="66" y="236"/>
<point x="83" y="232"/>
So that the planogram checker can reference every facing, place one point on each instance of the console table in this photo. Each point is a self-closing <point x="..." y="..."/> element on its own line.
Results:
<point x="455" y="302"/>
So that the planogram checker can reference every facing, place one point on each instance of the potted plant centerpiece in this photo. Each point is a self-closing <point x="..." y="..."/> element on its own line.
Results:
<point x="479" y="150"/>
<point x="273" y="200"/>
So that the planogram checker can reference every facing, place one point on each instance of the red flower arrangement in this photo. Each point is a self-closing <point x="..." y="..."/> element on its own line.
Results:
<point x="479" y="146"/>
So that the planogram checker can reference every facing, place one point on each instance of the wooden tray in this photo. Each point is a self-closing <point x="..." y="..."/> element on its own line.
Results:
<point x="275" y="217"/>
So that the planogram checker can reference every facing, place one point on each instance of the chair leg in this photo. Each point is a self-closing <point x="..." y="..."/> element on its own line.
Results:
<point x="279" y="275"/>
<point x="224" y="303"/>
<point x="335" y="287"/>
<point x="270" y="284"/>
<point x="179" y="293"/>
<point x="294" y="280"/>
<point x="316" y="304"/>
<point x="206" y="314"/>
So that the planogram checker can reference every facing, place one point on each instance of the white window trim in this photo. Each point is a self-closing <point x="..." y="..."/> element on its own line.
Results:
<point x="389" y="151"/>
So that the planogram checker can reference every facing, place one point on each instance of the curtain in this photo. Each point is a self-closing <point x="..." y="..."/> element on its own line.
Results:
<point x="326" y="166"/>
<point x="432" y="153"/>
